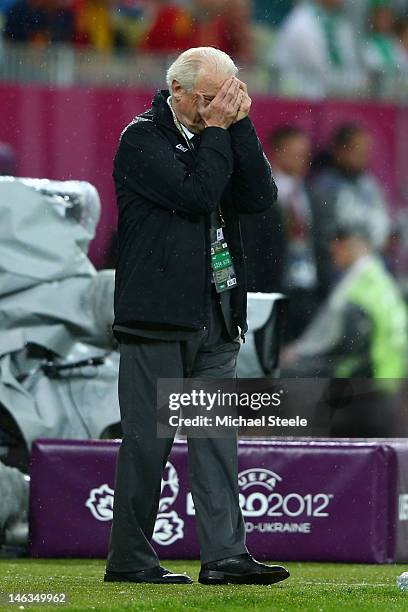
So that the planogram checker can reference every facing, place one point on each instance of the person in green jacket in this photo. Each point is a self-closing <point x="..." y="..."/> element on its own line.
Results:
<point x="361" y="330"/>
<point x="358" y="340"/>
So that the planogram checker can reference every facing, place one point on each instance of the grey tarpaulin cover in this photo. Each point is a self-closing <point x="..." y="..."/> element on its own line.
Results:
<point x="55" y="310"/>
<point x="14" y="491"/>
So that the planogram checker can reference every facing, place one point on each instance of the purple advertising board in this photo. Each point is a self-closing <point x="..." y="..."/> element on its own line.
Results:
<point x="302" y="500"/>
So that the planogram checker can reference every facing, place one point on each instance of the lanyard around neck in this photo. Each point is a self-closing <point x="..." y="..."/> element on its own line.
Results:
<point x="179" y="126"/>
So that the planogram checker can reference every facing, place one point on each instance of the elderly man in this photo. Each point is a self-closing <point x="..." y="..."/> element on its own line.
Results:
<point x="184" y="171"/>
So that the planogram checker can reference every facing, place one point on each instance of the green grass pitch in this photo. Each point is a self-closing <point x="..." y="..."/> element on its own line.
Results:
<point x="314" y="587"/>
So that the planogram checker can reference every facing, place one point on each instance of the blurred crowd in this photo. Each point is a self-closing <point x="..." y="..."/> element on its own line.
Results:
<point x="147" y="25"/>
<point x="329" y="43"/>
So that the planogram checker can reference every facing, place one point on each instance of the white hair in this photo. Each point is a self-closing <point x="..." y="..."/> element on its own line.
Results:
<point x="186" y="68"/>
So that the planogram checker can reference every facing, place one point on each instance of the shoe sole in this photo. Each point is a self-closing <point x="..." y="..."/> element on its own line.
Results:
<point x="213" y="577"/>
<point x="118" y="579"/>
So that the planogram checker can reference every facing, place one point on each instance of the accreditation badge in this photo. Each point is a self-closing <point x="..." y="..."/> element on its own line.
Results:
<point x="221" y="262"/>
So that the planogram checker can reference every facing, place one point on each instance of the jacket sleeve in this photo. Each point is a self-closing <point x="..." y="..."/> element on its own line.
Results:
<point x="146" y="163"/>
<point x="253" y="187"/>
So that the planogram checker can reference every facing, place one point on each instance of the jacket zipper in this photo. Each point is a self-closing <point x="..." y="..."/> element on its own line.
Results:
<point x="207" y="274"/>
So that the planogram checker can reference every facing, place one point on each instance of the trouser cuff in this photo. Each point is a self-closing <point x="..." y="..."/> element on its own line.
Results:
<point x="223" y="553"/>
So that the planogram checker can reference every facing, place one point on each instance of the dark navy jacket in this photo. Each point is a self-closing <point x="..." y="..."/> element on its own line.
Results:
<point x="165" y="195"/>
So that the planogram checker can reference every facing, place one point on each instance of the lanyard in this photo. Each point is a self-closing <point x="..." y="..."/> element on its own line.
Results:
<point x="190" y="146"/>
<point x="179" y="126"/>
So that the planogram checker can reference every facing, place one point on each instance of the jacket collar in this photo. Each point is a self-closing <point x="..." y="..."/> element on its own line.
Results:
<point x="161" y="111"/>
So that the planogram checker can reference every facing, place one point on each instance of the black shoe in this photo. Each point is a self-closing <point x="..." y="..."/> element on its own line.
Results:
<point x="154" y="575"/>
<point x="242" y="569"/>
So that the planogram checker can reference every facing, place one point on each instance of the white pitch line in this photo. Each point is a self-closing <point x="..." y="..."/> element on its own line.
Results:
<point x="310" y="583"/>
<point x="349" y="584"/>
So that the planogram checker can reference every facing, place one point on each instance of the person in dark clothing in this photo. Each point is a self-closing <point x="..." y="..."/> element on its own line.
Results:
<point x="39" y="21"/>
<point x="344" y="192"/>
<point x="25" y="20"/>
<point x="184" y="170"/>
<point x="290" y="150"/>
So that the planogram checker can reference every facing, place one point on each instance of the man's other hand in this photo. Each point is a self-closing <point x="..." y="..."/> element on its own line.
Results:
<point x="223" y="110"/>
<point x="246" y="102"/>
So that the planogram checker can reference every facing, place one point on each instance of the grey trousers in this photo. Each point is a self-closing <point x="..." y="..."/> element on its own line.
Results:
<point x="213" y="465"/>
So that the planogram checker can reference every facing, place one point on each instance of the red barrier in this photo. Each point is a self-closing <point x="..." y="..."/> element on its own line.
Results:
<point x="72" y="133"/>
